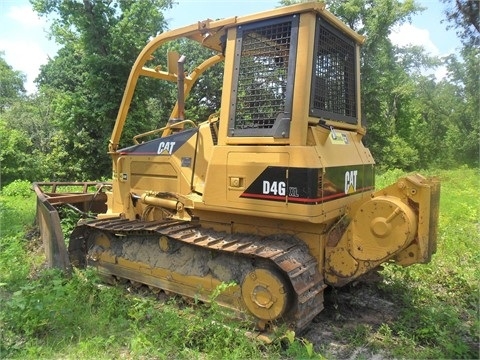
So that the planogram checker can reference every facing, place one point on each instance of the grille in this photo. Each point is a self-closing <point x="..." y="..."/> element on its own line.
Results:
<point x="333" y="92"/>
<point x="262" y="77"/>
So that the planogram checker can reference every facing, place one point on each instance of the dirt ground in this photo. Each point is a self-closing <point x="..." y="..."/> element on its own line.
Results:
<point x="348" y="310"/>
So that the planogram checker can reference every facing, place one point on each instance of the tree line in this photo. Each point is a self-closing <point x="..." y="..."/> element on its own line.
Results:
<point x="414" y="121"/>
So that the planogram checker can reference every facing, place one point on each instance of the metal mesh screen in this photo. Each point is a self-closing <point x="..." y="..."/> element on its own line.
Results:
<point x="262" y="77"/>
<point x="333" y="91"/>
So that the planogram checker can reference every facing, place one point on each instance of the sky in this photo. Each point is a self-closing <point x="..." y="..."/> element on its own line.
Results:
<point x="26" y="46"/>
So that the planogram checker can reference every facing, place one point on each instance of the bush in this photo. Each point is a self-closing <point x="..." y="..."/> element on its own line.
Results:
<point x="22" y="188"/>
<point x="399" y="154"/>
<point x="18" y="158"/>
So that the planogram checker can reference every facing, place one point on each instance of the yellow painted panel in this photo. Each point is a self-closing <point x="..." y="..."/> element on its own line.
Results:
<point x="153" y="168"/>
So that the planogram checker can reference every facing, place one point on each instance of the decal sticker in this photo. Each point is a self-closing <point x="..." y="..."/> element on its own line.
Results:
<point x="351" y="181"/>
<point x="293" y="191"/>
<point x="272" y="184"/>
<point x="186" y="162"/>
<point x="310" y="186"/>
<point x="166" y="147"/>
<point x="161" y="146"/>
<point x="339" y="138"/>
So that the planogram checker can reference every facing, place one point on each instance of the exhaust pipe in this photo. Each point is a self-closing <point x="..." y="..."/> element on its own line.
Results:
<point x="180" y="88"/>
<point x="180" y="92"/>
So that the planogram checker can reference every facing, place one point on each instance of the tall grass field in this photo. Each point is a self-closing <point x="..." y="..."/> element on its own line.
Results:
<point x="47" y="315"/>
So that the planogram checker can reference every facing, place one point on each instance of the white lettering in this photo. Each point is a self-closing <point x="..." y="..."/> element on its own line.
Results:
<point x="166" y="146"/>
<point x="275" y="188"/>
<point x="266" y="187"/>
<point x="293" y="192"/>
<point x="351" y="181"/>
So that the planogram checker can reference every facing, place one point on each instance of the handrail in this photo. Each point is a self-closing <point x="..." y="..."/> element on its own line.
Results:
<point x="169" y="126"/>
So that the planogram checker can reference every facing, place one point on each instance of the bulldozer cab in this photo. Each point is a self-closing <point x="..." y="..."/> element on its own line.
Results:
<point x="297" y="64"/>
<point x="296" y="60"/>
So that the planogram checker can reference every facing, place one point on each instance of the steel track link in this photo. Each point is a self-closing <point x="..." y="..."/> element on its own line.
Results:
<point x="289" y="254"/>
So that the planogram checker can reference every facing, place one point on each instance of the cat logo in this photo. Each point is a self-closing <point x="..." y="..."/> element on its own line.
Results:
<point x="351" y="181"/>
<point x="166" y="147"/>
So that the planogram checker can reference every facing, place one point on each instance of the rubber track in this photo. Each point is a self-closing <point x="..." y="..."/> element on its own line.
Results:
<point x="289" y="254"/>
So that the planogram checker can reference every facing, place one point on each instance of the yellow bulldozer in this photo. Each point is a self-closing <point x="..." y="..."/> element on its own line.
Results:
<point x="273" y="193"/>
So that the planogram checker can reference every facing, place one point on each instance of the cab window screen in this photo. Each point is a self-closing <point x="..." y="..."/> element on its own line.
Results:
<point x="264" y="76"/>
<point x="334" y="84"/>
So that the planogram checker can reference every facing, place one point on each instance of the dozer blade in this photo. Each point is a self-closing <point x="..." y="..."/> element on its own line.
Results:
<point x="84" y="197"/>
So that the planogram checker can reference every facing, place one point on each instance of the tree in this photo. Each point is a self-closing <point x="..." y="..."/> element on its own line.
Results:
<point x="16" y="160"/>
<point x="464" y="75"/>
<point x="465" y="128"/>
<point x="11" y="84"/>
<point x="101" y="41"/>
<point x="465" y="16"/>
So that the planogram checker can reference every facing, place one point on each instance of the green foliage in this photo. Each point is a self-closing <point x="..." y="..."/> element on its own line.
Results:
<point x="16" y="216"/>
<point x="398" y="154"/>
<point x="17" y="211"/>
<point x="11" y="84"/>
<point x="16" y="158"/>
<point x="31" y="131"/>
<point x="410" y="115"/>
<point x="60" y="309"/>
<point x="299" y="348"/>
<point x="20" y="188"/>
<point x="68" y="220"/>
<point x="465" y="16"/>
<point x="100" y="42"/>
<point x="14" y="266"/>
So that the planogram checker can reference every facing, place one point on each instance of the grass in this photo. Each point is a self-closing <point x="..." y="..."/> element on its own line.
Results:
<point x="46" y="315"/>
<point x="440" y="301"/>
